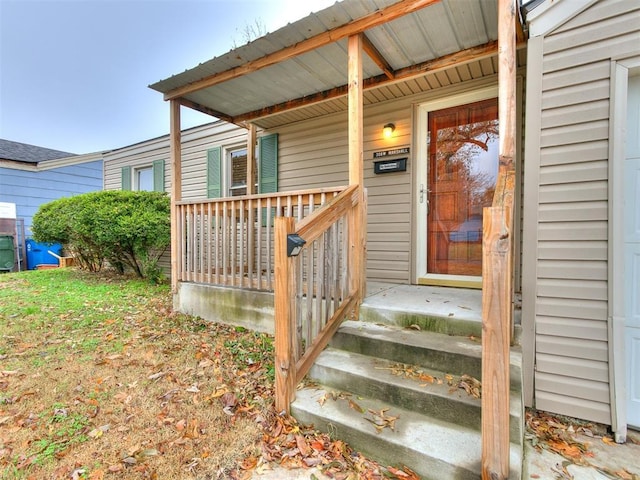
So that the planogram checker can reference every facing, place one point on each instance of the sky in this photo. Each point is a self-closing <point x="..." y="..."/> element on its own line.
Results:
<point x="74" y="74"/>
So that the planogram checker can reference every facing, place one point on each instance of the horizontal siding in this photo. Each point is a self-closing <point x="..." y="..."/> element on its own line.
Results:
<point x="580" y="96"/>
<point x="575" y="153"/>
<point x="583" y="172"/>
<point x="582" y="75"/>
<point x="572" y="270"/>
<point x="573" y="211"/>
<point x="579" y="230"/>
<point x="31" y="189"/>
<point x="572" y="371"/>
<point x="574" y="406"/>
<point x="572" y="347"/>
<point x="572" y="387"/>
<point x="577" y="249"/>
<point x="571" y="327"/>
<point x="314" y="153"/>
<point x="575" y="191"/>
<point x="574" y="133"/>
<point x="577" y="113"/>
<point x="573" y="308"/>
<point x="572" y="288"/>
<point x="195" y="143"/>
<point x="575" y="367"/>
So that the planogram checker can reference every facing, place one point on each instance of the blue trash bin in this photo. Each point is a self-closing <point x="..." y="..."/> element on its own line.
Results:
<point x="38" y="253"/>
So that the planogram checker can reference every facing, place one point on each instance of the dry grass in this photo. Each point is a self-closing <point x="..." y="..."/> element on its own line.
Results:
<point x="98" y="379"/>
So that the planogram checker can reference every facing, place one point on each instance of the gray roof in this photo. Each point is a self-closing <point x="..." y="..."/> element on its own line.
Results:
<point x="415" y="46"/>
<point x="23" y="152"/>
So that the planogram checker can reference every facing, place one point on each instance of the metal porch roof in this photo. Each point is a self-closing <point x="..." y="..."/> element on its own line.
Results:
<point x="456" y="34"/>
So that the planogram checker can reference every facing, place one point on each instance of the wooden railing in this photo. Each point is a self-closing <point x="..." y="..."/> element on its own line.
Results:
<point x="229" y="241"/>
<point x="314" y="290"/>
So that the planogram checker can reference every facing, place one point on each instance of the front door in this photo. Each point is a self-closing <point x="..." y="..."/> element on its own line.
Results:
<point x="462" y="168"/>
<point x="632" y="253"/>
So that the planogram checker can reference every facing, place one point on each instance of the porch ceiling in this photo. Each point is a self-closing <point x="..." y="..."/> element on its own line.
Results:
<point x="300" y="71"/>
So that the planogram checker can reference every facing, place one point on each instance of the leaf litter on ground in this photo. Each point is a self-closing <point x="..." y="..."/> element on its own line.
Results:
<point x="558" y="434"/>
<point x="102" y="379"/>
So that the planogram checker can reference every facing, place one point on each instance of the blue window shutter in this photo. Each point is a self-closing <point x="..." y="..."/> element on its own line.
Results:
<point x="126" y="178"/>
<point x="214" y="173"/>
<point x="158" y="175"/>
<point x="268" y="163"/>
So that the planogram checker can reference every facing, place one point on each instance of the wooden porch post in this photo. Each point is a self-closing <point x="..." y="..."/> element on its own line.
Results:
<point x="497" y="268"/>
<point x="285" y="360"/>
<point x="356" y="167"/>
<point x="176" y="188"/>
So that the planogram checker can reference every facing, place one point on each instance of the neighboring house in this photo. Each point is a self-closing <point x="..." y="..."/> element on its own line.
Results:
<point x="31" y="176"/>
<point x="430" y="75"/>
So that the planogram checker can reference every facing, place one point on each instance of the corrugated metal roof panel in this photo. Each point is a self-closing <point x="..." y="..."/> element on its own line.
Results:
<point x="430" y="33"/>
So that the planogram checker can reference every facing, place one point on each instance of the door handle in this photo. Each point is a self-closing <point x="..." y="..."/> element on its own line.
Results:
<point x="423" y="191"/>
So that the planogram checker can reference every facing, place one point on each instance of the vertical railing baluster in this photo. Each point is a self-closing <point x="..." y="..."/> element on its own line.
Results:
<point x="269" y="248"/>
<point x="259" y="234"/>
<point x="216" y="242"/>
<point x="251" y="254"/>
<point x="225" y="244"/>
<point x="233" y="231"/>
<point x="182" y="239"/>
<point x="209" y="241"/>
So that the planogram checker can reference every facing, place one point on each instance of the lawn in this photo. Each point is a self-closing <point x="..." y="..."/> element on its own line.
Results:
<point x="100" y="378"/>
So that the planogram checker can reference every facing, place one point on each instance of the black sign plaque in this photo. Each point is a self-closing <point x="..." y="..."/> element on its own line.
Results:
<point x="388" y="166"/>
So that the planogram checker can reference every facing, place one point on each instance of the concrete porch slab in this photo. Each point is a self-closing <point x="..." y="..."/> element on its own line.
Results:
<point x="459" y="303"/>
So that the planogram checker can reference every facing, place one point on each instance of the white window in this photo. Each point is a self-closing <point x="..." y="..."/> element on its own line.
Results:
<point x="143" y="179"/>
<point x="237" y="168"/>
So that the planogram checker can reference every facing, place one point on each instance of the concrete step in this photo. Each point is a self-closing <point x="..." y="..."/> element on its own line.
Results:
<point x="432" y="448"/>
<point x="450" y="311"/>
<point x="446" y="353"/>
<point x="430" y="392"/>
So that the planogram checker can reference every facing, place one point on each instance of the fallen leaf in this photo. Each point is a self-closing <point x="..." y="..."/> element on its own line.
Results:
<point x="353" y="405"/>
<point x="157" y="375"/>
<point x="302" y="445"/>
<point x="96" y="475"/>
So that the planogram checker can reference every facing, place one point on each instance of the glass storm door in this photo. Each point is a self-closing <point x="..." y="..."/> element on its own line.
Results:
<point x="462" y="172"/>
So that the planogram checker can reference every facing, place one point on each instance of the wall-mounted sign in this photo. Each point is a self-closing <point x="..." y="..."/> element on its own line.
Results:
<point x="7" y="210"/>
<point x="391" y="153"/>
<point x="388" y="166"/>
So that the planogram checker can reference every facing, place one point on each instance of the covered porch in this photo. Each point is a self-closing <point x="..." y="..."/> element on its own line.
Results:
<point x="309" y="245"/>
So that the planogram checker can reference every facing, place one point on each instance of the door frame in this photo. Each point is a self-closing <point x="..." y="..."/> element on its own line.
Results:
<point x="620" y="73"/>
<point x="421" y="112"/>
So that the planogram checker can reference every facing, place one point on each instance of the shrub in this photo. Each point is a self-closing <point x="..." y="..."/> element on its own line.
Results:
<point x="130" y="230"/>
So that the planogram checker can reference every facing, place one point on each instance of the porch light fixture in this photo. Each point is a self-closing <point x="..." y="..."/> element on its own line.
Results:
<point x="294" y="244"/>
<point x="388" y="130"/>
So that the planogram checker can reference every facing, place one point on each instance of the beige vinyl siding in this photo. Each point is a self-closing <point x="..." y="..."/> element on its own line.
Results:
<point x="572" y="372"/>
<point x="195" y="143"/>
<point x="314" y="153"/>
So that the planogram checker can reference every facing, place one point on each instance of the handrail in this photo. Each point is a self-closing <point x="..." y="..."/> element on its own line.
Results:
<point x="312" y="294"/>
<point x="229" y="241"/>
<point x="274" y="195"/>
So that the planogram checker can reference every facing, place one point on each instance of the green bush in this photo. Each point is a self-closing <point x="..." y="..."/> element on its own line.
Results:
<point x="130" y="230"/>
